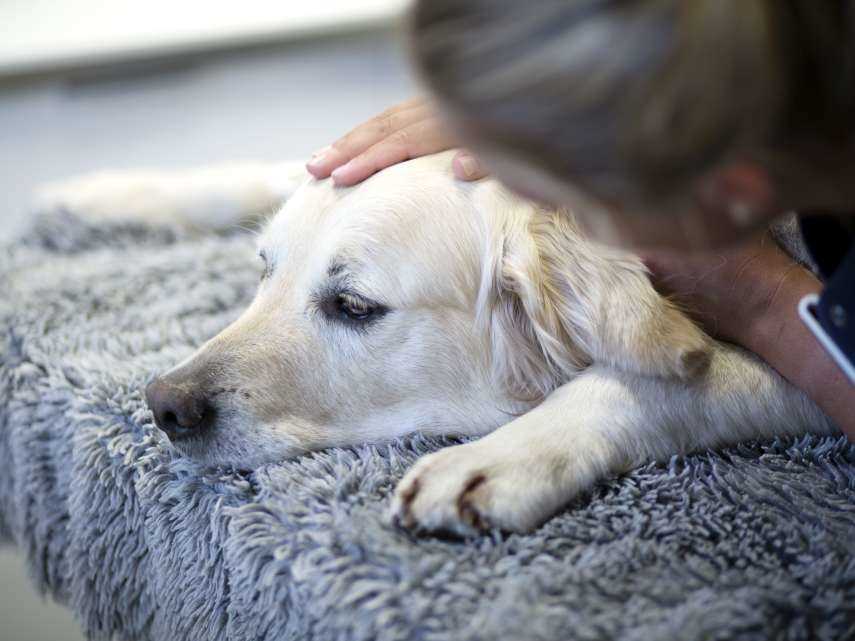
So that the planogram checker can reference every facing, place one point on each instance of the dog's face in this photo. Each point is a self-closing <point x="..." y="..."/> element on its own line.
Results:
<point x="364" y="326"/>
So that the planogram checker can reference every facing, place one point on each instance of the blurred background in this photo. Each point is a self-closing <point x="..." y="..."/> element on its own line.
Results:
<point x="91" y="84"/>
<point x="96" y="84"/>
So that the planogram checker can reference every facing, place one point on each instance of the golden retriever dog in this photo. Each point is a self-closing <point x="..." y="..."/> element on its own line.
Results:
<point x="417" y="303"/>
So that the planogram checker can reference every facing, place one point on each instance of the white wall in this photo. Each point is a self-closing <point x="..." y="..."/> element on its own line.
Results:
<point x="274" y="105"/>
<point x="45" y="34"/>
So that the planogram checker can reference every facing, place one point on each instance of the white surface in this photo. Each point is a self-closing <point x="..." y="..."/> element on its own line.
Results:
<point x="36" y="35"/>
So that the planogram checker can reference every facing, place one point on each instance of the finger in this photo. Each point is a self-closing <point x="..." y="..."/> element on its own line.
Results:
<point x="656" y="262"/>
<point x="659" y="266"/>
<point x="420" y="139"/>
<point x="671" y="271"/>
<point x="367" y="135"/>
<point x="467" y="167"/>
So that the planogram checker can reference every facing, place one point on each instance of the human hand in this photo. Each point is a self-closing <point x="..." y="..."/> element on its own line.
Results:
<point x="738" y="294"/>
<point x="405" y="131"/>
<point x="749" y="295"/>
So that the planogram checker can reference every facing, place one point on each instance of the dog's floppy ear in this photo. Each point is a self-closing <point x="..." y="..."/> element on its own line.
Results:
<point x="553" y="302"/>
<point x="533" y="343"/>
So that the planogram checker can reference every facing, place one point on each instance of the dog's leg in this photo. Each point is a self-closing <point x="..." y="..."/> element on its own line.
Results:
<point x="206" y="198"/>
<point x="602" y="423"/>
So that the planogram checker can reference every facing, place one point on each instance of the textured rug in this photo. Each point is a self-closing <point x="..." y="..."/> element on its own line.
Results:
<point x="752" y="543"/>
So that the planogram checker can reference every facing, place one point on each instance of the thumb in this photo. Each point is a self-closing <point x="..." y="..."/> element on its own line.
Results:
<point x="671" y="272"/>
<point x="658" y="263"/>
<point x="467" y="167"/>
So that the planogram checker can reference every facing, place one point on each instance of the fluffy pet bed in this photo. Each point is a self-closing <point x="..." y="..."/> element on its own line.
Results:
<point x="755" y="542"/>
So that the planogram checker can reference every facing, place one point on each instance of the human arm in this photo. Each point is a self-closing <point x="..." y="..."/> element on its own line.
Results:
<point x="749" y="295"/>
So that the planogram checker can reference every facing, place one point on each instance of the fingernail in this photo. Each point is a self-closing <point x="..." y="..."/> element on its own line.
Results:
<point x="340" y="173"/>
<point x="469" y="166"/>
<point x="318" y="157"/>
<point x="322" y="151"/>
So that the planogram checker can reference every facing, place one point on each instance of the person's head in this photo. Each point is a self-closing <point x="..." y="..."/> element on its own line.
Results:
<point x="685" y="122"/>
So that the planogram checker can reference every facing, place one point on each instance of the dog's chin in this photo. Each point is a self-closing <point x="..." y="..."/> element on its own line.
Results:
<point x="215" y="450"/>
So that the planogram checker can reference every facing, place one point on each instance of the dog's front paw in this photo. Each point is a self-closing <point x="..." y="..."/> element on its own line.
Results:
<point x="468" y="489"/>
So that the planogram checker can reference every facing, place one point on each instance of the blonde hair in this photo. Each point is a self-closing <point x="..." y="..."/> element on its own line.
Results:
<point x="632" y="97"/>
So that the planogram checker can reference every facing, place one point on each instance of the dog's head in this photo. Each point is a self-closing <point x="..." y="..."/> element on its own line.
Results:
<point x="380" y="312"/>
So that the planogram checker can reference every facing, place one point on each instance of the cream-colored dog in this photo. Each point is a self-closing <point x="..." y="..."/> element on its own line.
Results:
<point x="415" y="302"/>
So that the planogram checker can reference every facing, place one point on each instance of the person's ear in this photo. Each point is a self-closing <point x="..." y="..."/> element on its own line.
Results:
<point x="740" y="194"/>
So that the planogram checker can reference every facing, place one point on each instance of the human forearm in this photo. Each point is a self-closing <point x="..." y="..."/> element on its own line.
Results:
<point x="749" y="296"/>
<point x="782" y="340"/>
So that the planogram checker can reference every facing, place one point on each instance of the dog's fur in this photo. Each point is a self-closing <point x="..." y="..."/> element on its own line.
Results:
<point x="493" y="317"/>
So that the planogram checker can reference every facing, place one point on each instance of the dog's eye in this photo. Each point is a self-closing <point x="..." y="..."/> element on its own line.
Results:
<point x="263" y="256"/>
<point x="349" y="308"/>
<point x="355" y="308"/>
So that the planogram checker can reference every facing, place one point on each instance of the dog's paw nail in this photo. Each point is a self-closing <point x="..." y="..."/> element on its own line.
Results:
<point x="395" y="520"/>
<point x="409" y="493"/>
<point x="465" y="508"/>
<point x="471" y="517"/>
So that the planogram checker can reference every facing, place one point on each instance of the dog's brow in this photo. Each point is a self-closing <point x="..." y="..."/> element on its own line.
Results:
<point x="336" y="267"/>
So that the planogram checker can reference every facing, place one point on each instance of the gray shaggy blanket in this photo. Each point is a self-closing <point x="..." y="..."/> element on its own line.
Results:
<point x="752" y="543"/>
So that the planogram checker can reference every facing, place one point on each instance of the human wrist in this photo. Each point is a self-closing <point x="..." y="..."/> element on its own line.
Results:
<point x="780" y="338"/>
<point x="776" y="329"/>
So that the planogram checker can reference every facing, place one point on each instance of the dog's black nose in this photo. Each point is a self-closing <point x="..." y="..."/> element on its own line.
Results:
<point x="178" y="412"/>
